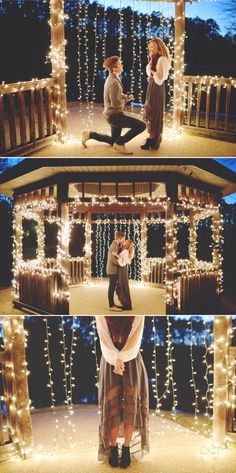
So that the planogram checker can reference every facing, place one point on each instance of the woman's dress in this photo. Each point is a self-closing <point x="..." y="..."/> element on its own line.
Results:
<point x="123" y="291"/>
<point x="155" y="100"/>
<point x="123" y="398"/>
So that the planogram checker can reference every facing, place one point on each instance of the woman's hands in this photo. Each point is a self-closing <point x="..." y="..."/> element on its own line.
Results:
<point x="119" y="367"/>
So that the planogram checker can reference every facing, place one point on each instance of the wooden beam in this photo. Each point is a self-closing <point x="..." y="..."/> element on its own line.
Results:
<point x="179" y="45"/>
<point x="221" y="352"/>
<point x="58" y="61"/>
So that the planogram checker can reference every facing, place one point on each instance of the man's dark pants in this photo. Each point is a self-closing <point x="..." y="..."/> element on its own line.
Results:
<point x="117" y="122"/>
<point x="111" y="288"/>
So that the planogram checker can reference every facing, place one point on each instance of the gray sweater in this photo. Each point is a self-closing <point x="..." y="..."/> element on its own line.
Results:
<point x="114" y="99"/>
<point x="112" y="261"/>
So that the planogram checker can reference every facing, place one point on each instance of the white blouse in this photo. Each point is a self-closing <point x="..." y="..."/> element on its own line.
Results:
<point x="123" y="258"/>
<point x="163" y="65"/>
<point x="112" y="355"/>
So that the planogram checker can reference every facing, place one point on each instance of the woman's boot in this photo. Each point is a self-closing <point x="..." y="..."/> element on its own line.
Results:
<point x="125" y="457"/>
<point x="113" y="456"/>
<point x="150" y="143"/>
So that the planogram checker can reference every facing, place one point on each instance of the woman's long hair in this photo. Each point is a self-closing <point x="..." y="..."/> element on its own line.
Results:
<point x="130" y="249"/>
<point x="162" y="50"/>
<point x="119" y="327"/>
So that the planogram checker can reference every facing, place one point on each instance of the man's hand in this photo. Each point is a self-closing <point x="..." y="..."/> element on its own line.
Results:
<point x="114" y="253"/>
<point x="129" y="97"/>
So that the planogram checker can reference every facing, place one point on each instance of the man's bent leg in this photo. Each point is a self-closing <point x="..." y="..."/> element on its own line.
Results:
<point x="135" y="126"/>
<point x="111" y="288"/>
<point x="101" y="137"/>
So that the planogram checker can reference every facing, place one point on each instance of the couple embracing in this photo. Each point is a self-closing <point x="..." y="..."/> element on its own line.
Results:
<point x="120" y="255"/>
<point x="114" y="102"/>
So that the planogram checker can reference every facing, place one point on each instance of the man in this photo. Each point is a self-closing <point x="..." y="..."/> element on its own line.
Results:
<point x="114" y="104"/>
<point x="112" y="269"/>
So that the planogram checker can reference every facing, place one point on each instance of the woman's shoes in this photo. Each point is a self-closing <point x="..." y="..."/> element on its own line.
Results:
<point x="113" y="456"/>
<point x="150" y="143"/>
<point x="125" y="457"/>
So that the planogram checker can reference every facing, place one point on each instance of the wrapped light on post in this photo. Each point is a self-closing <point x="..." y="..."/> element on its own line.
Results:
<point x="58" y="61"/>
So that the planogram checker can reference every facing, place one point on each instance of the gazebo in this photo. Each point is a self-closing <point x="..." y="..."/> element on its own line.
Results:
<point x="16" y="395"/>
<point x="74" y="208"/>
<point x="33" y="113"/>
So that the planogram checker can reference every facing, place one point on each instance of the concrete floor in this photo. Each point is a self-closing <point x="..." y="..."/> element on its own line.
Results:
<point x="92" y="300"/>
<point x="6" y="305"/>
<point x="184" y="145"/>
<point x="172" y="448"/>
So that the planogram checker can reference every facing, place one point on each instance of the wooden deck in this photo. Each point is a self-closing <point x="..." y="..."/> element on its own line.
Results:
<point x="172" y="448"/>
<point x="183" y="145"/>
<point x="92" y="300"/>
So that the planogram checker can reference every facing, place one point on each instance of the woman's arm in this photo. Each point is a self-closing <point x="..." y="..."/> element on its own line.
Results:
<point x="132" y="346"/>
<point x="123" y="258"/>
<point x="162" y="70"/>
<point x="109" y="351"/>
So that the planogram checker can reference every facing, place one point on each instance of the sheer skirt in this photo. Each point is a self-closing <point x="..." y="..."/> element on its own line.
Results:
<point x="154" y="110"/>
<point x="124" y="399"/>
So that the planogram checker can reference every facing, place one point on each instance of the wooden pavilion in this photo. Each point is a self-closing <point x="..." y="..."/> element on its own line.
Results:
<point x="13" y="365"/>
<point x="34" y="113"/>
<point x="150" y="191"/>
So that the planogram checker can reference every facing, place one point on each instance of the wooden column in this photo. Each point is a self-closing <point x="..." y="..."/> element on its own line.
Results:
<point x="192" y="239"/>
<point x="178" y="61"/>
<point x="144" y="267"/>
<point x="64" y="245"/>
<point x="58" y="67"/>
<point x="216" y="246"/>
<point x="171" y="247"/>
<point x="221" y="351"/>
<point x="16" y="385"/>
<point x="88" y="247"/>
<point x="17" y="249"/>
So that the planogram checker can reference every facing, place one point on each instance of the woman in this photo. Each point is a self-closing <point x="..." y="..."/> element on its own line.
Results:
<point x="123" y="389"/>
<point x="124" y="258"/>
<point x="157" y="71"/>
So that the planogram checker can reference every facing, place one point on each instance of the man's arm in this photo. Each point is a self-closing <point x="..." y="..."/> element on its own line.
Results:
<point x="115" y="94"/>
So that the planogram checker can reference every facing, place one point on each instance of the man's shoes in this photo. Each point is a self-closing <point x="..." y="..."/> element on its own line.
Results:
<point x="125" y="457"/>
<point x="85" y="137"/>
<point x="116" y="308"/>
<point x="122" y="149"/>
<point x="126" y="307"/>
<point x="113" y="456"/>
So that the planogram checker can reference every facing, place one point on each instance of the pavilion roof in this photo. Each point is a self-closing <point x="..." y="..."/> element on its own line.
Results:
<point x="31" y="170"/>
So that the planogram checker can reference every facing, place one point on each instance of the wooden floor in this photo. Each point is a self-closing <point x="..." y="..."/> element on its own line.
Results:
<point x="172" y="448"/>
<point x="92" y="300"/>
<point x="184" y="145"/>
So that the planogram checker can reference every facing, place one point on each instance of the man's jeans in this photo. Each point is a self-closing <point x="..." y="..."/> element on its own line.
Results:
<point x="117" y="122"/>
<point x="111" y="288"/>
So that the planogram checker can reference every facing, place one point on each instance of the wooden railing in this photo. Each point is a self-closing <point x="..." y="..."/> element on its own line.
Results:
<point x="40" y="292"/>
<point x="77" y="270"/>
<point x="156" y="270"/>
<point x="210" y="106"/>
<point x="197" y="291"/>
<point x="26" y="115"/>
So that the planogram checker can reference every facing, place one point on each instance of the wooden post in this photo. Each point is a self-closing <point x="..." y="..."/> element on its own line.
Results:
<point x="144" y="268"/>
<point x="58" y="66"/>
<point x="216" y="247"/>
<point x="172" y="296"/>
<point x="178" y="61"/>
<point x="16" y="385"/>
<point x="192" y="239"/>
<point x="18" y="250"/>
<point x="221" y="353"/>
<point x="63" y="253"/>
<point x="88" y="247"/>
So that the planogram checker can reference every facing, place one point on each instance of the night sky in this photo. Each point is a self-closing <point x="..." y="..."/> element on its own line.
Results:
<point x="205" y="9"/>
